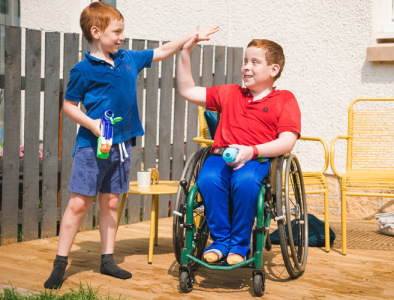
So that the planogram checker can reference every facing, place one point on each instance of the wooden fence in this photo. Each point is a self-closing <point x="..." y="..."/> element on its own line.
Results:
<point x="35" y="214"/>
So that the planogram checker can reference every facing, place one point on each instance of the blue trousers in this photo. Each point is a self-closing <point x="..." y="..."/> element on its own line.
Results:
<point x="231" y="233"/>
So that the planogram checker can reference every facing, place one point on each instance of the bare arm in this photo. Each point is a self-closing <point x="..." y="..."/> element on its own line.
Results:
<point x="282" y="145"/>
<point x="186" y="87"/>
<point x="169" y="49"/>
<point x="74" y="113"/>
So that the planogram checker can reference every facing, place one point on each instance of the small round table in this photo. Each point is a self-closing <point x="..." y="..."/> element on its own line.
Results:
<point x="164" y="187"/>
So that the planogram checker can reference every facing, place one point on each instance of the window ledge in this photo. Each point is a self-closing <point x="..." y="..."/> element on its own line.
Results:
<point x="385" y="36"/>
<point x="381" y="52"/>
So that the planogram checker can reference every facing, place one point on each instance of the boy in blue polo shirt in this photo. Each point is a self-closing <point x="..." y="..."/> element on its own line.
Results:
<point x="105" y="80"/>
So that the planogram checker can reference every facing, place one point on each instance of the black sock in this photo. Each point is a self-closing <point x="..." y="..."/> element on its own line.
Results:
<point x="59" y="268"/>
<point x="109" y="267"/>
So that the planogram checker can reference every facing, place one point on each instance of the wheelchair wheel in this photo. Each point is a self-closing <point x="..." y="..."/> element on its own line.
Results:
<point x="185" y="282"/>
<point x="190" y="174"/>
<point x="293" y="228"/>
<point x="259" y="284"/>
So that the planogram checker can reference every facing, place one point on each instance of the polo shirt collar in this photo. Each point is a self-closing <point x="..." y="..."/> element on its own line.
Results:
<point x="273" y="93"/>
<point x="116" y="57"/>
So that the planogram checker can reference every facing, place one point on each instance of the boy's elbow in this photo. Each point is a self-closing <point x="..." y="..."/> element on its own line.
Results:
<point x="183" y="92"/>
<point x="68" y="106"/>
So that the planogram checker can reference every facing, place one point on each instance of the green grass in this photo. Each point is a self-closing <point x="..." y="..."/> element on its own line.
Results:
<point x="81" y="293"/>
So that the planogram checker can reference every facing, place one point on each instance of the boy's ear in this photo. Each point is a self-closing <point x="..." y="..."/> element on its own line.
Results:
<point x="95" y="32"/>
<point x="275" y="70"/>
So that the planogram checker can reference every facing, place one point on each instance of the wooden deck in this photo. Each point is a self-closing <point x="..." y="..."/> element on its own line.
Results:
<point x="367" y="272"/>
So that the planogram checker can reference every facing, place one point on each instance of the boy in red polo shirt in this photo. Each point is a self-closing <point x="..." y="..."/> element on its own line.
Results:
<point x="258" y="120"/>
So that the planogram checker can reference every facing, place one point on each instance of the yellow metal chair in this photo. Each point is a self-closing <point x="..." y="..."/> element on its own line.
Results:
<point x="370" y="155"/>
<point x="315" y="182"/>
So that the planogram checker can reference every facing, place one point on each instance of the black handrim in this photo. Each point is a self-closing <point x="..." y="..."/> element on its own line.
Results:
<point x="281" y="209"/>
<point x="295" y="213"/>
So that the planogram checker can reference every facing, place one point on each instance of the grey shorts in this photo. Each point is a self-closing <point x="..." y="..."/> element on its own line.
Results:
<point x="91" y="175"/>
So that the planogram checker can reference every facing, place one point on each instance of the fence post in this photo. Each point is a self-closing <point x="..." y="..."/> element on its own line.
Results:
<point x="12" y="117"/>
<point x="167" y="81"/>
<point x="135" y="202"/>
<point x="50" y="170"/>
<point x="152" y="88"/>
<point x="69" y="127"/>
<point x="31" y="173"/>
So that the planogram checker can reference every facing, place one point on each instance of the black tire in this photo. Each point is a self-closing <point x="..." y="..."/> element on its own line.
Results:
<point x="190" y="174"/>
<point x="184" y="282"/>
<point x="296" y="213"/>
<point x="259" y="285"/>
<point x="283" y="206"/>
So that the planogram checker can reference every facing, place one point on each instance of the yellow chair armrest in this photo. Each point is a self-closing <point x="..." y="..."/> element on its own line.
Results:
<point x="202" y="140"/>
<point x="325" y="146"/>
<point x="332" y="153"/>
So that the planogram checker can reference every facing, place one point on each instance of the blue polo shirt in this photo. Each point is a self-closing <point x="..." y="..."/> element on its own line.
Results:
<point x="100" y="86"/>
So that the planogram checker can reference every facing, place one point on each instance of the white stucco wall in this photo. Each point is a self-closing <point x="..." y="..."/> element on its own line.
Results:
<point x="325" y="44"/>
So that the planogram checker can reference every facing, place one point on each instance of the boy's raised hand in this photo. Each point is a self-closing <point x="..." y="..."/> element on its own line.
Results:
<point x="203" y="35"/>
<point x="191" y="43"/>
<point x="168" y="49"/>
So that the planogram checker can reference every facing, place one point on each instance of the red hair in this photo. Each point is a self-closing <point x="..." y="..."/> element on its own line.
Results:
<point x="100" y="15"/>
<point x="273" y="53"/>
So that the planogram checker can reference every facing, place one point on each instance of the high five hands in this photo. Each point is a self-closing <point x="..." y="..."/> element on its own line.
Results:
<point x="199" y="36"/>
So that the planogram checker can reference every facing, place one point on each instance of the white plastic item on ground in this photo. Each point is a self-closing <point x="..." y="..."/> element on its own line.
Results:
<point x="386" y="223"/>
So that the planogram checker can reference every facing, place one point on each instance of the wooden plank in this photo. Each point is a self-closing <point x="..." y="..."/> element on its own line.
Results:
<point x="31" y="175"/>
<point x="167" y="81"/>
<point x="178" y="142"/>
<point x="152" y="88"/>
<point x="123" y="45"/>
<point x="219" y="78"/>
<point x="69" y="127"/>
<point x="51" y="135"/>
<point x="230" y="65"/>
<point x="87" y="220"/>
<point x="135" y="202"/>
<point x="12" y="105"/>
<point x="207" y="66"/>
<point x="192" y="110"/>
<point x="238" y="59"/>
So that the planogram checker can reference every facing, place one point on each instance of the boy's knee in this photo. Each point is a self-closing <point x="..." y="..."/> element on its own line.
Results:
<point x="209" y="180"/>
<point x="113" y="203"/>
<point x="246" y="179"/>
<point x="109" y="202"/>
<point x="78" y="207"/>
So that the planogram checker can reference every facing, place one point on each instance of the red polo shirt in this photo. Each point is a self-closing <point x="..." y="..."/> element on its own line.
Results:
<point x="247" y="122"/>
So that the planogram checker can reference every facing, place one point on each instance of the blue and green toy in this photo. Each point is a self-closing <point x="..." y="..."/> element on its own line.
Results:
<point x="104" y="142"/>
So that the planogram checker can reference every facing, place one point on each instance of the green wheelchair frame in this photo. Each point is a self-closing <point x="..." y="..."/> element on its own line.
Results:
<point x="189" y="246"/>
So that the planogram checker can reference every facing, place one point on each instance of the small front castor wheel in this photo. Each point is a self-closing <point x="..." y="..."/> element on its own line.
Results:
<point x="259" y="284"/>
<point x="186" y="282"/>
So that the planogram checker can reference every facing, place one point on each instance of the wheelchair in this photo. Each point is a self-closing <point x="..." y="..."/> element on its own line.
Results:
<point x="282" y="198"/>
